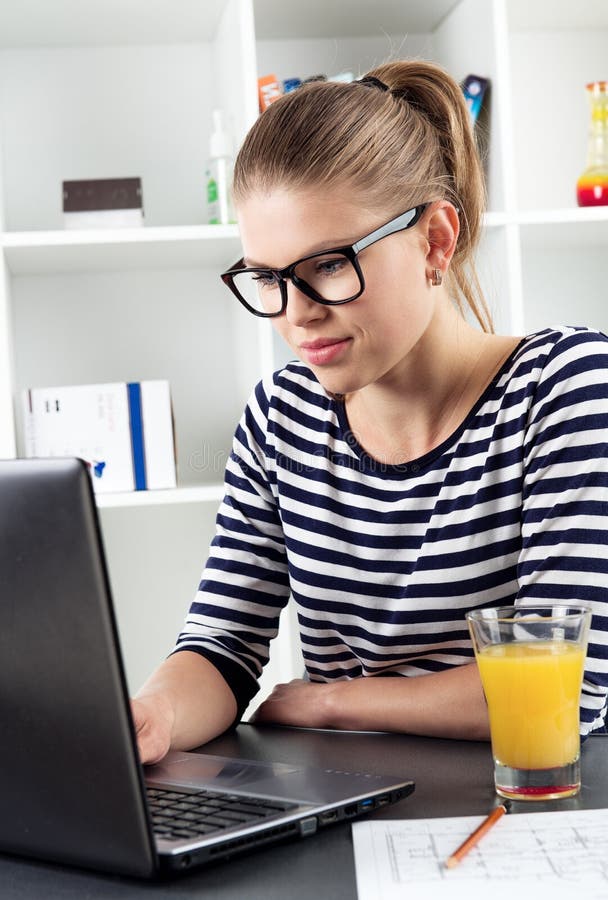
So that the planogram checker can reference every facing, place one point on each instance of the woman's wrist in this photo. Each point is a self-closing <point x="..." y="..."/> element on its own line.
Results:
<point x="443" y="704"/>
<point x="336" y="705"/>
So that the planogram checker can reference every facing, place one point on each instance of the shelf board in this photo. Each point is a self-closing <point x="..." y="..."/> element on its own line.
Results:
<point x="569" y="215"/>
<point x="564" y="228"/>
<point x="320" y="18"/>
<point x="556" y="229"/>
<point x="212" y="493"/>
<point x="91" y="250"/>
<point x="217" y="246"/>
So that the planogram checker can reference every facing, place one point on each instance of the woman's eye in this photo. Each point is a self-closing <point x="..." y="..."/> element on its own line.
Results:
<point x="265" y="279"/>
<point x="328" y="267"/>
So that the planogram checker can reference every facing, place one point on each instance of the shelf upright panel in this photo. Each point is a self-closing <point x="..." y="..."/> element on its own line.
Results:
<point x="473" y="39"/>
<point x="7" y="427"/>
<point x="235" y="66"/>
<point x="465" y="42"/>
<point x="2" y="137"/>
<point x="515" y="318"/>
<point x="235" y="63"/>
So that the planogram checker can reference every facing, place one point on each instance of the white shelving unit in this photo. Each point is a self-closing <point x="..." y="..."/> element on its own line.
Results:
<point x="124" y="87"/>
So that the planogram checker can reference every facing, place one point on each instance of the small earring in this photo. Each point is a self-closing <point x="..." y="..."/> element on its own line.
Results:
<point x="437" y="277"/>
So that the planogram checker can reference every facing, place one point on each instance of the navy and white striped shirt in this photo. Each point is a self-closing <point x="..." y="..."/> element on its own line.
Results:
<point x="384" y="561"/>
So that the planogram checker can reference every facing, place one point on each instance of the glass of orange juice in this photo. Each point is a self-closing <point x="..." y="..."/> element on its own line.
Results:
<point x="531" y="661"/>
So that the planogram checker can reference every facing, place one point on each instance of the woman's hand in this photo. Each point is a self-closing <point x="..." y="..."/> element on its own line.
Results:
<point x="153" y="717"/>
<point x="298" y="702"/>
<point x="183" y="704"/>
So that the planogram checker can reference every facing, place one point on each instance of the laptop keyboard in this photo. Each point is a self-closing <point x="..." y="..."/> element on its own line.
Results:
<point x="177" y="815"/>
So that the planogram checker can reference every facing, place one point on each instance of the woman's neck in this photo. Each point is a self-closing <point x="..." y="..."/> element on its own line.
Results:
<point x="416" y="408"/>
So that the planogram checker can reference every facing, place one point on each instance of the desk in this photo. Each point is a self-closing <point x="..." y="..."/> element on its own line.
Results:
<point x="452" y="778"/>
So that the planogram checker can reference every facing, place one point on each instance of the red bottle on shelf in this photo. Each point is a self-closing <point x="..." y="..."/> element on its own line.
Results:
<point x="592" y="186"/>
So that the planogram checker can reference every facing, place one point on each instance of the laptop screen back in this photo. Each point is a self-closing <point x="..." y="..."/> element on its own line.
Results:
<point x="70" y="780"/>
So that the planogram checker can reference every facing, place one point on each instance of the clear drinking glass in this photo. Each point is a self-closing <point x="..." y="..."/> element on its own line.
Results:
<point x="531" y="661"/>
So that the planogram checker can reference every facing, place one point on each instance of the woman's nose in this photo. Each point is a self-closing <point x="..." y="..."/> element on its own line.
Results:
<point x="301" y="310"/>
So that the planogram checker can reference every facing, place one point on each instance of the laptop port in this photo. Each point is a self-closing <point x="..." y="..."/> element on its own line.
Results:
<point x="308" y="826"/>
<point x="365" y="805"/>
<point x="327" y="817"/>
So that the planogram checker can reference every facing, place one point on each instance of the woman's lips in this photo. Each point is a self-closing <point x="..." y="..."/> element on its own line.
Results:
<point x="324" y="350"/>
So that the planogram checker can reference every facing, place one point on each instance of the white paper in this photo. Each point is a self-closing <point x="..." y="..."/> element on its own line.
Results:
<point x="555" y="855"/>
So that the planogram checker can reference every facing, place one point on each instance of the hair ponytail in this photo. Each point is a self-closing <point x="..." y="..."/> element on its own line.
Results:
<point x="433" y="95"/>
<point x="397" y="148"/>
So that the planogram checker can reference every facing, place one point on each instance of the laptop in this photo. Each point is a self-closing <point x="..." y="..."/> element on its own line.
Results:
<point x="73" y="790"/>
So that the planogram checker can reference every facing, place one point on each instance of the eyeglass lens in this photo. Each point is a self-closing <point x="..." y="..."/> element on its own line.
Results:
<point x="333" y="277"/>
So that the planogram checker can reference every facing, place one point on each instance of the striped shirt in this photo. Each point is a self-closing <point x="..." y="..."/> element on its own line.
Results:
<point x="384" y="561"/>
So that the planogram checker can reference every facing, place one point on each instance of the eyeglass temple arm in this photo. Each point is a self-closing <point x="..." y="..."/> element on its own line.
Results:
<point x="405" y="220"/>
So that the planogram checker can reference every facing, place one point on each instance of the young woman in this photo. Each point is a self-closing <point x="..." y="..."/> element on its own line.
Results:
<point x="412" y="464"/>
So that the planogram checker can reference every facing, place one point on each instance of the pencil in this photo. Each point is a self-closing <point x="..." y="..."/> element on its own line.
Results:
<point x="476" y="836"/>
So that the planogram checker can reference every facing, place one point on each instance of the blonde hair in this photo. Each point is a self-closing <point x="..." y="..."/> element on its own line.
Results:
<point x="396" y="148"/>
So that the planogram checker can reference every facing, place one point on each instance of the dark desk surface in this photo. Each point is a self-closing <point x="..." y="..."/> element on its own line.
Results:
<point x="453" y="778"/>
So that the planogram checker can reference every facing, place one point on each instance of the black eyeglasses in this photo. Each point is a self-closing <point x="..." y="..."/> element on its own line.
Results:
<point x="330" y="277"/>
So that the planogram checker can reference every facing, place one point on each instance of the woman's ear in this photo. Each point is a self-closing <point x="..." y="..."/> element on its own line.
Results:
<point x="442" y="227"/>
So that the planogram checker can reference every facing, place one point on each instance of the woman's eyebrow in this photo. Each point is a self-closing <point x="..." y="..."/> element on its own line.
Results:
<point x="250" y="264"/>
<point x="318" y="248"/>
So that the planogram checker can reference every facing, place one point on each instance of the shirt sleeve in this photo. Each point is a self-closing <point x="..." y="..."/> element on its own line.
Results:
<point x="244" y="585"/>
<point x="564" y="553"/>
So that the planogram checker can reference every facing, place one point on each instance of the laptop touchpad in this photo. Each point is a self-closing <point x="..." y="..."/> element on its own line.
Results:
<point x="219" y="772"/>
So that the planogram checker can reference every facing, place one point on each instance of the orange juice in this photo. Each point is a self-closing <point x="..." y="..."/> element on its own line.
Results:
<point x="533" y="690"/>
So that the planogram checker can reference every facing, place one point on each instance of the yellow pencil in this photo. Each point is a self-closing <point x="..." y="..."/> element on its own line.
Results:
<point x="476" y="836"/>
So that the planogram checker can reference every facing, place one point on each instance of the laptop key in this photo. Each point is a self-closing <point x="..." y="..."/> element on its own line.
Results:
<point x="190" y="817"/>
<point x="236" y="816"/>
<point x="246" y="808"/>
<point x="204" y="829"/>
<point x="218" y="820"/>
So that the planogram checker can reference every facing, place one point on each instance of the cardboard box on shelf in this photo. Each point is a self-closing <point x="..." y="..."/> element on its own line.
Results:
<point x="123" y="431"/>
<point x="103" y="203"/>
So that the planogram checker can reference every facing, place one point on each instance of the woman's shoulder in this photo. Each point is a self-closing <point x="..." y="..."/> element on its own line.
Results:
<point x="549" y="361"/>
<point x="558" y="347"/>
<point x="562" y="337"/>
<point x="294" y="387"/>
<point x="565" y="364"/>
<point x="290" y="392"/>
